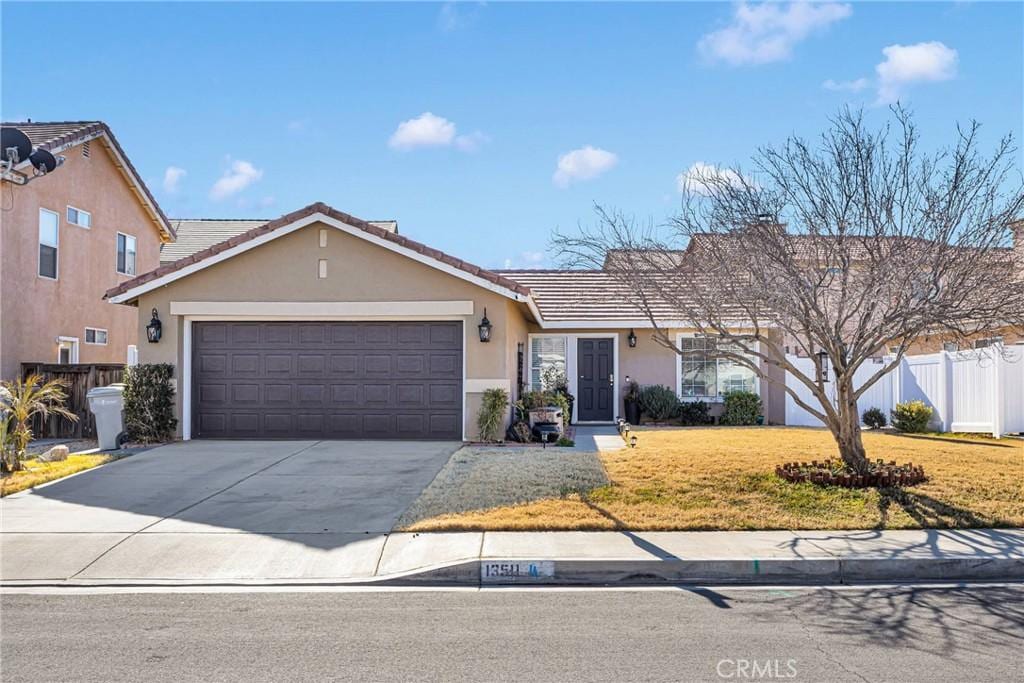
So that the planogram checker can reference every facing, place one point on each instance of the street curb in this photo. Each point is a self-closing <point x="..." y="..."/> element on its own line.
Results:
<point x="610" y="573"/>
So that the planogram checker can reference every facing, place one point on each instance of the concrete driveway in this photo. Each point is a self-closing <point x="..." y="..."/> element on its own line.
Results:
<point x="220" y="510"/>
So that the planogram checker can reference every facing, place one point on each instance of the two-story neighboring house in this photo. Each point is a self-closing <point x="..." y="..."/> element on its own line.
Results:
<point x="66" y="238"/>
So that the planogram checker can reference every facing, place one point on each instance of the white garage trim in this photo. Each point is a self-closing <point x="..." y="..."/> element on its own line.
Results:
<point x="325" y="310"/>
<point x="186" y="359"/>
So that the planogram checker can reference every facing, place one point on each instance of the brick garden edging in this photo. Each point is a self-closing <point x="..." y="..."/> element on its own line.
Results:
<point x="831" y="473"/>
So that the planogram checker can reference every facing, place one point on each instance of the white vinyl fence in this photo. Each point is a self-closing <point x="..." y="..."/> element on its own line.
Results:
<point x="981" y="390"/>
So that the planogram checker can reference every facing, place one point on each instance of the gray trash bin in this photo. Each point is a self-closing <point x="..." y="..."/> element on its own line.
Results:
<point x="107" y="404"/>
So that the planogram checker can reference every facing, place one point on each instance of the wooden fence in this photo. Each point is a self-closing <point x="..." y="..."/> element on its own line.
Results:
<point x="79" y="379"/>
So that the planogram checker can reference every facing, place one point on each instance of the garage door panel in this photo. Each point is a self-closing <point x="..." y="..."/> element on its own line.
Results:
<point x="244" y="335"/>
<point x="277" y="364"/>
<point x="445" y="365"/>
<point x="213" y="393"/>
<point x="344" y="365"/>
<point x="274" y="379"/>
<point x="245" y="393"/>
<point x="246" y="424"/>
<point x="244" y="364"/>
<point x="310" y="395"/>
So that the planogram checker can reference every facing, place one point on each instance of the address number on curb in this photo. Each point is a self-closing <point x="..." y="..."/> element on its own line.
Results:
<point x="503" y="571"/>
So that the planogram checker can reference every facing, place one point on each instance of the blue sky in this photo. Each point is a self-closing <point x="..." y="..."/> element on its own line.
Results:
<point x="536" y="110"/>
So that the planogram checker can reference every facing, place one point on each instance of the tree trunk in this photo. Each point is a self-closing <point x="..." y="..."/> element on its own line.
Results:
<point x="847" y="432"/>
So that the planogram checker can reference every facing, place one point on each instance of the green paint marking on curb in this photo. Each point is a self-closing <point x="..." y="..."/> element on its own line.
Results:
<point x="757" y="566"/>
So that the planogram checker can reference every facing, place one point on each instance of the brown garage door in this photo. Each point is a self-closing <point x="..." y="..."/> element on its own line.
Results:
<point x="331" y="380"/>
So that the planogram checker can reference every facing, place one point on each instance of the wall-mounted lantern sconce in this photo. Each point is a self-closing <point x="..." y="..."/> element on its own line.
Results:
<point x="823" y="364"/>
<point x="632" y="339"/>
<point x="485" y="328"/>
<point x="154" y="329"/>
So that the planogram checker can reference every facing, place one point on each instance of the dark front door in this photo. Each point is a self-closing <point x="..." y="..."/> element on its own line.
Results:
<point x="594" y="400"/>
<point x="327" y="380"/>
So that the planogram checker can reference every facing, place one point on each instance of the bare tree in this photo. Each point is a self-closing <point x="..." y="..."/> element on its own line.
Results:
<point x="854" y="245"/>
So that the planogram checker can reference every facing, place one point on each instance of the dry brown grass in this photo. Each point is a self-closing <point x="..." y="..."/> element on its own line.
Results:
<point x="36" y="473"/>
<point x="723" y="478"/>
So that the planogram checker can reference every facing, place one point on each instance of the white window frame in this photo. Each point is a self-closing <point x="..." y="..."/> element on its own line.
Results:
<point x="94" y="330"/>
<point x="78" y="212"/>
<point x="717" y="398"/>
<point x="39" y="243"/>
<point x="74" y="348"/>
<point x="135" y="264"/>
<point x="132" y="355"/>
<point x="572" y="367"/>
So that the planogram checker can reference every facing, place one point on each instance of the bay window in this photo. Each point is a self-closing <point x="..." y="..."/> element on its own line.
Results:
<point x="705" y="375"/>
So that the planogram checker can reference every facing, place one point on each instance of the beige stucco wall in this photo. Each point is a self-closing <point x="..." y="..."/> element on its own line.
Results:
<point x="34" y="311"/>
<point x="652" y="363"/>
<point x="285" y="269"/>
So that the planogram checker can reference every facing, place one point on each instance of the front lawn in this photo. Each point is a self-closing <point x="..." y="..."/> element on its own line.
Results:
<point x="36" y="473"/>
<point x="723" y="479"/>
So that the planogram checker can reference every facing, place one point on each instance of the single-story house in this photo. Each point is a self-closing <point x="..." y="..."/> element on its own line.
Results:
<point x="322" y="325"/>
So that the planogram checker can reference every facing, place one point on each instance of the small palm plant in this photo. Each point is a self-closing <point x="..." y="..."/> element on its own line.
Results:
<point x="22" y="400"/>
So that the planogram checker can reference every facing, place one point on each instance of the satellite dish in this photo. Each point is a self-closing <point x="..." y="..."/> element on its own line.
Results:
<point x="43" y="161"/>
<point x="12" y="137"/>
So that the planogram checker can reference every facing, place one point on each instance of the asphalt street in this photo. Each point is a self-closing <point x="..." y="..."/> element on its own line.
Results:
<point x="902" y="633"/>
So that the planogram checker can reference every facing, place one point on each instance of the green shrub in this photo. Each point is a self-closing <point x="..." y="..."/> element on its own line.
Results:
<point x="912" y="417"/>
<point x="874" y="418"/>
<point x="491" y="417"/>
<point x="149" y="402"/>
<point x="694" y="413"/>
<point x="741" y="408"/>
<point x="564" y="441"/>
<point x="659" y="403"/>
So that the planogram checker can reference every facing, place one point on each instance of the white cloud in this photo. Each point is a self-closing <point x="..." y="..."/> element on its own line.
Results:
<point x="767" y="32"/>
<point x="172" y="179"/>
<point x="430" y="130"/>
<point x="454" y="16"/>
<point x="856" y="85"/>
<point x="583" y="164"/>
<point x="526" y="259"/>
<point x="241" y="175"/>
<point x="472" y="142"/>
<point x="906" y="64"/>
<point x="700" y="177"/>
<point x="426" y="130"/>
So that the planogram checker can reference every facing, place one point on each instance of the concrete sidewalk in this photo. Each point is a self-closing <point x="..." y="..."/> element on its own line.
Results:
<point x="500" y="558"/>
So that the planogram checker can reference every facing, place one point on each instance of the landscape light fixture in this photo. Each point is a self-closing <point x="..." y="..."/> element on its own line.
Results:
<point x="485" y="328"/>
<point x="632" y="441"/>
<point x="154" y="329"/>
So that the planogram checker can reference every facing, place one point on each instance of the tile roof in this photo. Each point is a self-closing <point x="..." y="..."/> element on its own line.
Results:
<point x="583" y="295"/>
<point x="197" y="234"/>
<point x="290" y="218"/>
<point x="53" y="135"/>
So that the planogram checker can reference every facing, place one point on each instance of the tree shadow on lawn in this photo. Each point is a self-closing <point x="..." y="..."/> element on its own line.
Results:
<point x="991" y="443"/>
<point x="928" y="512"/>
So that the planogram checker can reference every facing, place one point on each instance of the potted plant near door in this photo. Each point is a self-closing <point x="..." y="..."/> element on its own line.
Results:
<point x="555" y="380"/>
<point x="631" y="401"/>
